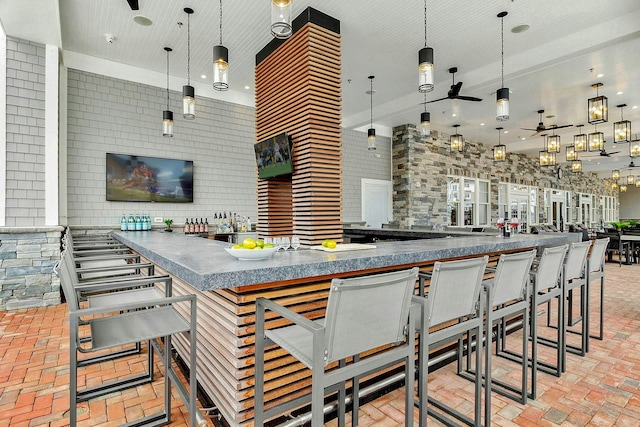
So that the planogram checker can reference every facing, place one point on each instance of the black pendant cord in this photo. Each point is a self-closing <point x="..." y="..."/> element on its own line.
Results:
<point x="502" y="50"/>
<point x="425" y="102"/>
<point x="371" y="104"/>
<point x="188" y="49"/>
<point x="425" y="23"/>
<point x="220" y="22"/>
<point x="168" y="80"/>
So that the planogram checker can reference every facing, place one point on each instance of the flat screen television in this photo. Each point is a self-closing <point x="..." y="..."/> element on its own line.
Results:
<point x="148" y="179"/>
<point x="273" y="156"/>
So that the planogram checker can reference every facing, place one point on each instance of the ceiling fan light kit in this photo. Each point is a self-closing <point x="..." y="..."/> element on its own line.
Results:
<point x="220" y="62"/>
<point x="502" y="94"/>
<point x="597" y="107"/>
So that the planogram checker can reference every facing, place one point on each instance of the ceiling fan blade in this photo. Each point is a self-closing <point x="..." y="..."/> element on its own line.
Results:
<point x="468" y="98"/>
<point x="439" y="99"/>
<point x="532" y="130"/>
<point x="133" y="4"/>
<point x="613" y="152"/>
<point x="558" y="127"/>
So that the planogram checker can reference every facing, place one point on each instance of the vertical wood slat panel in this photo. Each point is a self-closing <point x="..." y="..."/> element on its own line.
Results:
<point x="298" y="91"/>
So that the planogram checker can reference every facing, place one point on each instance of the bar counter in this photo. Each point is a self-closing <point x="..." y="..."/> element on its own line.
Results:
<point x="227" y="289"/>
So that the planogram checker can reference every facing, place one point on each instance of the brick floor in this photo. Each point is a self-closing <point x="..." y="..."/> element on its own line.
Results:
<point x="601" y="389"/>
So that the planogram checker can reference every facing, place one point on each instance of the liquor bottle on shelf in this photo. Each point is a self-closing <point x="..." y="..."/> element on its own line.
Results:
<point x="131" y="223"/>
<point x="248" y="224"/>
<point x="201" y="228"/>
<point x="243" y="225"/>
<point x="505" y="230"/>
<point x="186" y="226"/>
<point x="123" y="223"/>
<point x="234" y="223"/>
<point x="206" y="225"/>
<point x="192" y="227"/>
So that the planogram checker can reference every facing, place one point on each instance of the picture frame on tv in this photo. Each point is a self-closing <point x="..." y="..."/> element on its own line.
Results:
<point x="131" y="178"/>
<point x="273" y="156"/>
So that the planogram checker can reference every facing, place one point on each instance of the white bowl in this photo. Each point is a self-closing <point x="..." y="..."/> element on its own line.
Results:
<point x="251" y="254"/>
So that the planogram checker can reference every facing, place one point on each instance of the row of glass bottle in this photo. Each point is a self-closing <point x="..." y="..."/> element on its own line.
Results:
<point x="137" y="222"/>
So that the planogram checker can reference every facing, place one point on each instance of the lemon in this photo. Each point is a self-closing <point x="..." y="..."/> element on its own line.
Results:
<point x="248" y="243"/>
<point x="237" y="247"/>
<point x="325" y="242"/>
<point x="268" y="245"/>
<point x="331" y="244"/>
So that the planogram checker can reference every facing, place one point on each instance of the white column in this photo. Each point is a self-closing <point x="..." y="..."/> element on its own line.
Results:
<point x="62" y="151"/>
<point x="3" y="127"/>
<point x="52" y="68"/>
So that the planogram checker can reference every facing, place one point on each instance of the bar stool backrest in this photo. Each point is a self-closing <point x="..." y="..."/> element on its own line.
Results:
<point x="367" y="312"/>
<point x="576" y="260"/>
<point x="66" y="280"/>
<point x="454" y="289"/>
<point x="549" y="268"/>
<point x="511" y="277"/>
<point x="598" y="251"/>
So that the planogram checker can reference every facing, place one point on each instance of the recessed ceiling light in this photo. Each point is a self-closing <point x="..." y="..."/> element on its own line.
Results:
<point x="634" y="107"/>
<point x="142" y="20"/>
<point x="613" y="146"/>
<point x="247" y="87"/>
<point x="520" y="28"/>
<point x="454" y="115"/>
<point x="506" y="131"/>
<point x="522" y="138"/>
<point x="481" y="124"/>
<point x="619" y="92"/>
<point x="204" y="76"/>
<point x="600" y="75"/>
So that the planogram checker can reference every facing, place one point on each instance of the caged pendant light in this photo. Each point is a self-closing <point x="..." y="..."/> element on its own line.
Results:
<point x="615" y="174"/>
<point x="631" y="179"/>
<point x="596" y="140"/>
<point x="456" y="141"/>
<point x="502" y="94"/>
<point x="553" y="143"/>
<point x="580" y="141"/>
<point x="167" y="115"/>
<point x="597" y="107"/>
<point x="576" y="166"/>
<point x="571" y="153"/>
<point x="220" y="62"/>
<point x="371" y="132"/>
<point x="188" y="92"/>
<point x="634" y="147"/>
<point x="425" y="62"/>
<point x="281" y="19"/>
<point x="622" y="129"/>
<point x="499" y="150"/>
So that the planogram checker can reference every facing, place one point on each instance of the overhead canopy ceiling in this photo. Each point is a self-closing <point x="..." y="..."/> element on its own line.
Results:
<point x="551" y="66"/>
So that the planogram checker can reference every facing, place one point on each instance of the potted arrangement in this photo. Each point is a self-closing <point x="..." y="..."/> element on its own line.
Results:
<point x="167" y="223"/>
<point x="619" y="225"/>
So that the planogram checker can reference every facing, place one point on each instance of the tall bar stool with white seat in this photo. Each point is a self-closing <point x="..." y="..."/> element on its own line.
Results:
<point x="363" y="313"/>
<point x="506" y="296"/>
<point x="452" y="308"/>
<point x="546" y="285"/>
<point x="595" y="270"/>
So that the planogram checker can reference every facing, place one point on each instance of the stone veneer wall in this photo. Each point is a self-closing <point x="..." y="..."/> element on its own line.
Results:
<point x="27" y="260"/>
<point x="420" y="169"/>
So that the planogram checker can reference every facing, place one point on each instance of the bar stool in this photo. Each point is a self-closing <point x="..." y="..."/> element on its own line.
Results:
<point x="506" y="295"/>
<point x="595" y="270"/>
<point x="546" y="276"/>
<point x="363" y="313"/>
<point x="453" y="306"/>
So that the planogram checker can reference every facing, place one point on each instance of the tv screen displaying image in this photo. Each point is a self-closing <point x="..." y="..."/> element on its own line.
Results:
<point x="273" y="156"/>
<point x="148" y="179"/>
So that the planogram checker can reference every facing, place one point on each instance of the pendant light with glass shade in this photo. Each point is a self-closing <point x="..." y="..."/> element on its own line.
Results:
<point x="188" y="92"/>
<point x="553" y="143"/>
<point x="167" y="115"/>
<point x="596" y="140"/>
<point x="622" y="129"/>
<point x="425" y="62"/>
<point x="580" y="141"/>
<point x="623" y="188"/>
<point x="499" y="150"/>
<point x="281" y="19"/>
<point x="637" y="182"/>
<point x="456" y="141"/>
<point x="615" y="174"/>
<point x="220" y="62"/>
<point x="546" y="158"/>
<point x="634" y="147"/>
<point x="571" y="153"/>
<point x="502" y="94"/>
<point x="615" y="185"/>
<point x="576" y="166"/>
<point x="597" y="107"/>
<point x="425" y="122"/>
<point x="371" y="132"/>
<point x="631" y="179"/>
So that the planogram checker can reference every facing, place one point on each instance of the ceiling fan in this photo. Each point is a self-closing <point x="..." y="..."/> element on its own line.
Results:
<point x="542" y="128"/>
<point x="604" y="153"/>
<point x="133" y="4"/>
<point x="454" y="91"/>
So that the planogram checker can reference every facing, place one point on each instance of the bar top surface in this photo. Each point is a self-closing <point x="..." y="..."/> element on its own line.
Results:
<point x="205" y="265"/>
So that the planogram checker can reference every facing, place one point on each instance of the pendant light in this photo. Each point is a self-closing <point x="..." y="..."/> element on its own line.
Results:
<point x="622" y="129"/>
<point x="638" y="182"/>
<point x="571" y="153"/>
<point x="615" y="185"/>
<point x="456" y="141"/>
<point x="634" y="147"/>
<point x="623" y="188"/>
<point x="596" y="140"/>
<point x="547" y="159"/>
<point x="598" y="107"/>
<point x="502" y="94"/>
<point x="553" y="143"/>
<point x="615" y="174"/>
<point x="500" y="150"/>
<point x="167" y="115"/>
<point x="631" y="180"/>
<point x="371" y="133"/>
<point x="425" y="62"/>
<point x="281" y="19"/>
<point x="576" y="166"/>
<point x="425" y="122"/>
<point x="188" y="92"/>
<point x="220" y="62"/>
<point x="580" y="141"/>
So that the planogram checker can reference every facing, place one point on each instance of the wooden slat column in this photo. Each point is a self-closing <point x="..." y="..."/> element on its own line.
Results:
<point x="298" y="91"/>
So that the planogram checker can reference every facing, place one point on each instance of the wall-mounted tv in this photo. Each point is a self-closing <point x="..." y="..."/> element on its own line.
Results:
<point x="273" y="156"/>
<point x="148" y="179"/>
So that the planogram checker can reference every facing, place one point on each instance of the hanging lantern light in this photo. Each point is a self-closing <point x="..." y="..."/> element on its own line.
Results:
<point x="220" y="62"/>
<point x="634" y="148"/>
<point x="576" y="166"/>
<point x="570" y="152"/>
<point x="623" y="188"/>
<point x="456" y="141"/>
<point x="615" y="185"/>
<point x="553" y="144"/>
<point x="596" y="140"/>
<point x="500" y="150"/>
<point x="631" y="179"/>
<point x="580" y="141"/>
<point x="281" y="19"/>
<point x="546" y="158"/>
<point x="598" y="107"/>
<point x="167" y="115"/>
<point x="425" y="62"/>
<point x="622" y="129"/>
<point x="615" y="174"/>
<point x="188" y="92"/>
<point x="502" y="94"/>
<point x="371" y="132"/>
<point x="637" y="182"/>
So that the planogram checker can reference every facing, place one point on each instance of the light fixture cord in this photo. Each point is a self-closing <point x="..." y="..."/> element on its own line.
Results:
<point x="502" y="50"/>
<point x="425" y="102"/>
<point x="167" y="80"/>
<point x="425" y="23"/>
<point x="188" y="49"/>
<point x="371" y="92"/>
<point x="220" y="22"/>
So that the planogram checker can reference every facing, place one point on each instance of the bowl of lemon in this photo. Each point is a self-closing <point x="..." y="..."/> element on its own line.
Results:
<point x="251" y="249"/>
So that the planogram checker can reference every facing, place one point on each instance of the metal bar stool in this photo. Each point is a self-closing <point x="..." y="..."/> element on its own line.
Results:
<point x="453" y="305"/>
<point x="595" y="270"/>
<point x="363" y="313"/>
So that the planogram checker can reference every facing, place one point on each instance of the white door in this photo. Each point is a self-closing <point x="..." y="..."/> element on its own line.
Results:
<point x="376" y="202"/>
